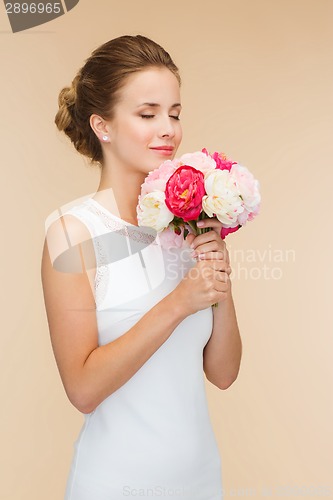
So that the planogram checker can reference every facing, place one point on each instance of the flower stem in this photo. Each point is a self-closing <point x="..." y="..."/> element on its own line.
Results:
<point x="199" y="230"/>
<point x="193" y="225"/>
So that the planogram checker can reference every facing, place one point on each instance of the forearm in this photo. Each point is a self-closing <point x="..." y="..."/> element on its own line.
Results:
<point x="222" y="353"/>
<point x="110" y="366"/>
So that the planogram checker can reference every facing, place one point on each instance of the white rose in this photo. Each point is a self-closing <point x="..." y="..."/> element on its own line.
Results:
<point x="153" y="212"/>
<point x="222" y="197"/>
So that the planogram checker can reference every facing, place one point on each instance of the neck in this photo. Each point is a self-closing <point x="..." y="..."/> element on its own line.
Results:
<point x="119" y="193"/>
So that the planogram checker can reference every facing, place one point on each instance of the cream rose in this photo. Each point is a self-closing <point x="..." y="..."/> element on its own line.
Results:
<point x="223" y="197"/>
<point x="153" y="212"/>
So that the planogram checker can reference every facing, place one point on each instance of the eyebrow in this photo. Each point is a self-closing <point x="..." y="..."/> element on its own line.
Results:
<point x="156" y="105"/>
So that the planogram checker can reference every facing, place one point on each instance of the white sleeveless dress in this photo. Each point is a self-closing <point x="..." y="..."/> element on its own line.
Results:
<point x="153" y="436"/>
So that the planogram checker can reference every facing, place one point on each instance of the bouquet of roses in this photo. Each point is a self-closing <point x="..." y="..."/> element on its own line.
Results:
<point x="195" y="186"/>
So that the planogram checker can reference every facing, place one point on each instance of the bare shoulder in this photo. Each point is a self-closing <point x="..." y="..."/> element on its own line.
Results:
<point x="64" y="237"/>
<point x="69" y="298"/>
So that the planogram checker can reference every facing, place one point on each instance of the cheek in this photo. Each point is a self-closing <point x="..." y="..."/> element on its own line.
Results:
<point x="139" y="132"/>
<point x="179" y="135"/>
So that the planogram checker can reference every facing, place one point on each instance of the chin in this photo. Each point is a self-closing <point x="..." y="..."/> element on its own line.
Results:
<point x="154" y="166"/>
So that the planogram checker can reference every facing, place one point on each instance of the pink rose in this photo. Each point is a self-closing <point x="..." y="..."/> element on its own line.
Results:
<point x="226" y="230"/>
<point x="168" y="238"/>
<point x="248" y="216"/>
<point x="198" y="160"/>
<point x="156" y="179"/>
<point x="184" y="191"/>
<point x="248" y="187"/>
<point x="220" y="159"/>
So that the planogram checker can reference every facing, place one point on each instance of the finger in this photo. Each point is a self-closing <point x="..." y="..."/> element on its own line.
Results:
<point x="211" y="248"/>
<point x="208" y="237"/>
<point x="218" y="265"/>
<point x="214" y="255"/>
<point x="218" y="255"/>
<point x="222" y="276"/>
<point x="214" y="224"/>
<point x="222" y="285"/>
<point x="189" y="238"/>
<point x="226" y="271"/>
<point x="209" y="222"/>
<point x="208" y="249"/>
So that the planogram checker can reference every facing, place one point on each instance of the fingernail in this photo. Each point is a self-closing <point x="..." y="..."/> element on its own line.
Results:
<point x="200" y="223"/>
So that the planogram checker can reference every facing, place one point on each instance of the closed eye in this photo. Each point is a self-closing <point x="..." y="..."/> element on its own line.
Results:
<point x="152" y="116"/>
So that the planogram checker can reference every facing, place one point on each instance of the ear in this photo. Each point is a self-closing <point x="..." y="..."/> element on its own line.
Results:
<point x="99" y="126"/>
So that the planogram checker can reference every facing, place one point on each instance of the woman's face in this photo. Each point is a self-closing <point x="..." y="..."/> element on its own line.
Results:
<point x="138" y="128"/>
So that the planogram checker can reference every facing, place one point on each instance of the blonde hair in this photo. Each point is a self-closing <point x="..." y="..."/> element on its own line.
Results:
<point x="96" y="88"/>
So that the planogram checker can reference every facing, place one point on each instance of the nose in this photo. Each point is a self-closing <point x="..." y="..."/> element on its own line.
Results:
<point x="167" y="127"/>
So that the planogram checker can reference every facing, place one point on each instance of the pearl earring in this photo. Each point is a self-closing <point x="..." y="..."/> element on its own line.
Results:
<point x="105" y="137"/>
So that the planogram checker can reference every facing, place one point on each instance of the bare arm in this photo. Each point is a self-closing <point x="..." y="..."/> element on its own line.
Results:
<point x="89" y="372"/>
<point x="223" y="351"/>
<point x="110" y="366"/>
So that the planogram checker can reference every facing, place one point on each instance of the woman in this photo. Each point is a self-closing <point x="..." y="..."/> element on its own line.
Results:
<point x="132" y="338"/>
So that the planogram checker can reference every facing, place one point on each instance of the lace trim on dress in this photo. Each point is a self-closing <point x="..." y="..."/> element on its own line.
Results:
<point x="130" y="232"/>
<point x="102" y="274"/>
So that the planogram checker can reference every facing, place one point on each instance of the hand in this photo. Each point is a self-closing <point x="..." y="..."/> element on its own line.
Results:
<point x="204" y="285"/>
<point x="210" y="245"/>
<point x="207" y="283"/>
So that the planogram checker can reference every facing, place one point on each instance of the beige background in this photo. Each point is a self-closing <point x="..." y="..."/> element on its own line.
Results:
<point x="257" y="84"/>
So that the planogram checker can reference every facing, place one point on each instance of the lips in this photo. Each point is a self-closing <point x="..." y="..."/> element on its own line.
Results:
<point x="164" y="148"/>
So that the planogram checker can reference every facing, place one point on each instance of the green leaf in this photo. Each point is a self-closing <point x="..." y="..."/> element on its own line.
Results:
<point x="177" y="220"/>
